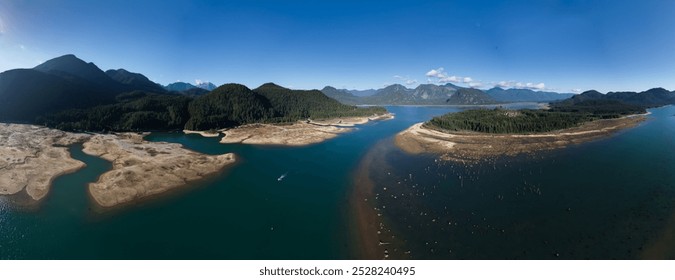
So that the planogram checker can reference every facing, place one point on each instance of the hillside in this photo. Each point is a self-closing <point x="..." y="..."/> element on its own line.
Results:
<point x="342" y="95"/>
<point x="651" y="98"/>
<point x="525" y="95"/>
<point x="63" y="83"/>
<point x="134" y="81"/>
<point x="179" y="86"/>
<point x="233" y="104"/>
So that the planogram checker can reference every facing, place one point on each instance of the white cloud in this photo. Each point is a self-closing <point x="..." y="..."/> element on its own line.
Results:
<point x="576" y="90"/>
<point x="520" y="85"/>
<point x="406" y="80"/>
<point x="198" y="82"/>
<point x="438" y="73"/>
<point x="451" y="79"/>
<point x="475" y="84"/>
<point x="443" y="77"/>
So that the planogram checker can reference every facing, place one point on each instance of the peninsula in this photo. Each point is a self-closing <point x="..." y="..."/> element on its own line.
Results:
<point x="475" y="135"/>
<point x="296" y="134"/>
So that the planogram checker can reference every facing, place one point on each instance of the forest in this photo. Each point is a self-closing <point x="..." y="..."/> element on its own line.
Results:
<point x="524" y="121"/>
<point x="227" y="106"/>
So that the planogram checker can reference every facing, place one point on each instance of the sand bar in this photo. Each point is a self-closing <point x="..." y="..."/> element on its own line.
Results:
<point x="297" y="134"/>
<point x="473" y="146"/>
<point x="203" y="133"/>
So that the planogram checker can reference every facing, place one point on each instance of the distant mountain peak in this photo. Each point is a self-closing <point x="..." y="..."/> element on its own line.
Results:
<point x="205" y="85"/>
<point x="71" y="65"/>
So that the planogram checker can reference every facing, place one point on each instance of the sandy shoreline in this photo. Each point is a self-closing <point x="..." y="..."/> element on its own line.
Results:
<point x="300" y="133"/>
<point x="473" y="146"/>
<point x="31" y="157"/>
<point x="203" y="133"/>
<point x="142" y="168"/>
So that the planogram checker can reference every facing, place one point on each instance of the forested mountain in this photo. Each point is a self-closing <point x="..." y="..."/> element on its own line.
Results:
<point x="525" y="95"/>
<point x="362" y="93"/>
<point x="61" y="83"/>
<point x="179" y="86"/>
<point x="69" y="66"/>
<point x="134" y="81"/>
<point x="651" y="98"/>
<point x="425" y="94"/>
<point x="27" y="93"/>
<point x="70" y="94"/>
<point x="342" y="95"/>
<point x="226" y="106"/>
<point x="233" y="104"/>
<point x="134" y="111"/>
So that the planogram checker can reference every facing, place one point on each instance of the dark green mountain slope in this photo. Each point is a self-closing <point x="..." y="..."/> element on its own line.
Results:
<point x="134" y="81"/>
<point x="226" y="106"/>
<point x="179" y="86"/>
<point x="651" y="98"/>
<point x="134" y="111"/>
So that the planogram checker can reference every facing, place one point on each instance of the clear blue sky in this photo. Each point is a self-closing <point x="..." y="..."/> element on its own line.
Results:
<point x="559" y="45"/>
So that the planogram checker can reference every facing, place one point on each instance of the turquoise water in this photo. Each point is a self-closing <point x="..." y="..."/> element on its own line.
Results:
<point x="245" y="213"/>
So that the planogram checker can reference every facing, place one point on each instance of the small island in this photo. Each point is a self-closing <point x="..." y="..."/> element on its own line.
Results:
<point x="476" y="135"/>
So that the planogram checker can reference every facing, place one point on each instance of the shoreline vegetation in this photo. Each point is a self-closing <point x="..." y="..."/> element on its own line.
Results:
<point x="475" y="135"/>
<point x="475" y="146"/>
<point x="34" y="156"/>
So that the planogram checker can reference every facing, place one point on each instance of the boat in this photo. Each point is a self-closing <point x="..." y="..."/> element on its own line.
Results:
<point x="282" y="177"/>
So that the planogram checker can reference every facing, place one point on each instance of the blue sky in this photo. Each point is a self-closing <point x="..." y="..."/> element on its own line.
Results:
<point x="547" y="44"/>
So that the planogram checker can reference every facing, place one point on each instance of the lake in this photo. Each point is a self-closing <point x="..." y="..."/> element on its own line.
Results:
<point x="613" y="198"/>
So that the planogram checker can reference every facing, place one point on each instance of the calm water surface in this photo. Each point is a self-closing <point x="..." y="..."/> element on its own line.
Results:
<point x="607" y="199"/>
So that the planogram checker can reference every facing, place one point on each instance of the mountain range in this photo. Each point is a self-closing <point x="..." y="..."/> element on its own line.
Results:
<point x="425" y="94"/>
<point x="654" y="97"/>
<point x="448" y="94"/>
<point x="68" y="93"/>
<point x="525" y="95"/>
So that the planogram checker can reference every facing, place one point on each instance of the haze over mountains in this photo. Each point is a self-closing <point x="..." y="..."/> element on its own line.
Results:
<point x="447" y="94"/>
